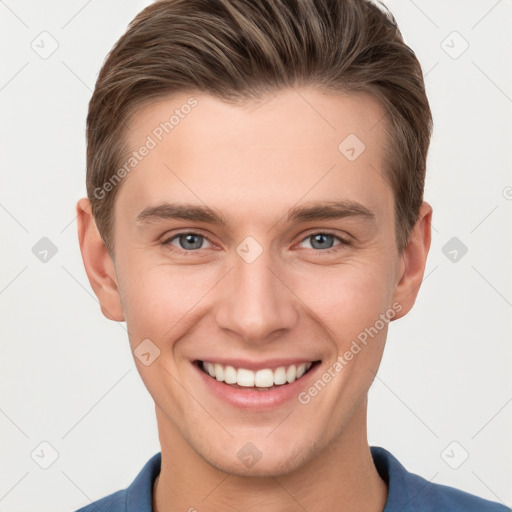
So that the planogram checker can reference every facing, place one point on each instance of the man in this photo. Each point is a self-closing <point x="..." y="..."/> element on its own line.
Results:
<point x="255" y="175"/>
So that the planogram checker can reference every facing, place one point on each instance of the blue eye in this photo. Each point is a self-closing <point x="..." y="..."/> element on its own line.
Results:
<point x="187" y="241"/>
<point x="324" y="242"/>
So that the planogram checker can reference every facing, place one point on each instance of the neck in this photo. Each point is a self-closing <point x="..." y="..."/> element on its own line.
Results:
<point x="340" y="477"/>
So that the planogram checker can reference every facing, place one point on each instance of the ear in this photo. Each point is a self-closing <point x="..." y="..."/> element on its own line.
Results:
<point x="413" y="261"/>
<point x="98" y="263"/>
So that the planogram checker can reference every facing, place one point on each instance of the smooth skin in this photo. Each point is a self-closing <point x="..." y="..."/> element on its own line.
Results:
<point x="200" y="300"/>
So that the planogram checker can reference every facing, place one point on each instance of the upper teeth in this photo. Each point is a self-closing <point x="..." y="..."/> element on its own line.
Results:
<point x="263" y="378"/>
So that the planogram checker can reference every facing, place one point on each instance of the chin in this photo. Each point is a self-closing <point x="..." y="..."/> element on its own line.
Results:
<point x="271" y="461"/>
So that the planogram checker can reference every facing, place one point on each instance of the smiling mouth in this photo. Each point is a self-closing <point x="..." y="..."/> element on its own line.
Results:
<point x="264" y="379"/>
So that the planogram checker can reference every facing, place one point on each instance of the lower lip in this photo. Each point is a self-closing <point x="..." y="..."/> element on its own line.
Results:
<point x="253" y="399"/>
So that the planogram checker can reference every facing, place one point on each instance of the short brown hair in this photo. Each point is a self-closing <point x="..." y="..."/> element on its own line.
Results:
<point x="238" y="50"/>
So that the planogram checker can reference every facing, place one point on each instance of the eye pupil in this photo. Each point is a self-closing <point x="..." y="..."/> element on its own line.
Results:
<point x="321" y="238"/>
<point x="193" y="241"/>
<point x="190" y="241"/>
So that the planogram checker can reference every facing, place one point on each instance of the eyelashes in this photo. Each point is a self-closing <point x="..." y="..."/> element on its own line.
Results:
<point x="324" y="235"/>
<point x="190" y="242"/>
<point x="187" y="236"/>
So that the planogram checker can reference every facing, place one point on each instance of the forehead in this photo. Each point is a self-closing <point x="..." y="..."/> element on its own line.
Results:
<point x="297" y="143"/>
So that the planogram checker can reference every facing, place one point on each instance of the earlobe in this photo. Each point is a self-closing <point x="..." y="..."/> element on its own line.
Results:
<point x="413" y="261"/>
<point x="98" y="263"/>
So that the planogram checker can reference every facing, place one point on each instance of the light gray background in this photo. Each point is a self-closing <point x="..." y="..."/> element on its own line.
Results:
<point x="67" y="374"/>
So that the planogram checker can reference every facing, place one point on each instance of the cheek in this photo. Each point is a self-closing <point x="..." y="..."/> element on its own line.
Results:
<point x="158" y="298"/>
<point x="346" y="298"/>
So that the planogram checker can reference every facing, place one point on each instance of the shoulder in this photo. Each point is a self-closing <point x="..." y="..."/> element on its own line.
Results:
<point x="410" y="492"/>
<point x="431" y="496"/>
<point x="137" y="497"/>
<point x="115" y="502"/>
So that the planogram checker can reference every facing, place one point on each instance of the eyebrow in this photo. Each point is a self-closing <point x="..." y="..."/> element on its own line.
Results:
<point x="330" y="210"/>
<point x="313" y="211"/>
<point x="181" y="211"/>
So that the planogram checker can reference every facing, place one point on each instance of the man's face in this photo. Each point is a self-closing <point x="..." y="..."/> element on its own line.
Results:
<point x="268" y="288"/>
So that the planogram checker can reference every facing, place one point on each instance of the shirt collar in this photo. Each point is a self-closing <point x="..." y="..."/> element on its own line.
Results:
<point x="139" y="495"/>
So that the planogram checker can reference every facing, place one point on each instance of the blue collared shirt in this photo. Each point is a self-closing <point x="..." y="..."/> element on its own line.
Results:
<point x="407" y="492"/>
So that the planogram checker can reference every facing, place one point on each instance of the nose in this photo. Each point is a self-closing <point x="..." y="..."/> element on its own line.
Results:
<point x="257" y="304"/>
